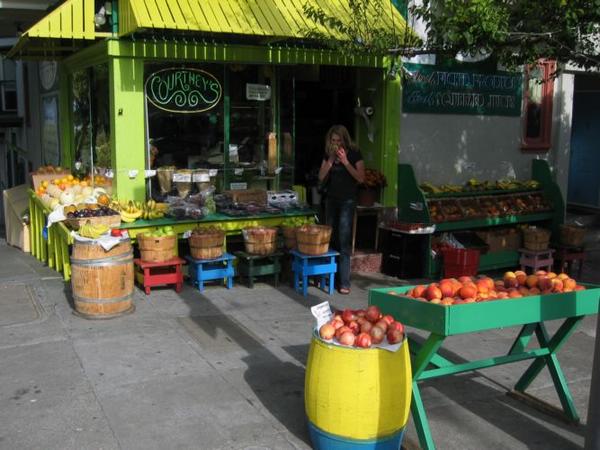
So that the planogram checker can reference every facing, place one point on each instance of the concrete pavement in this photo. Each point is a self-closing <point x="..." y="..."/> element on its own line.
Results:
<point x="225" y="370"/>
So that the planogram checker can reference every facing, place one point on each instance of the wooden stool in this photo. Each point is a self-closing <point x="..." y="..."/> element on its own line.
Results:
<point x="220" y="268"/>
<point x="536" y="259"/>
<point x="150" y="274"/>
<point x="251" y="266"/>
<point x="304" y="266"/>
<point x="566" y="255"/>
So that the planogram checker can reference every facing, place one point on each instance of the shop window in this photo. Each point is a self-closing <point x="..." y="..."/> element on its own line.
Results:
<point x="538" y="94"/>
<point x="91" y="119"/>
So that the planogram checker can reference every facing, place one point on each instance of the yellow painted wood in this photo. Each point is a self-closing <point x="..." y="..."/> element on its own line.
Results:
<point x="357" y="393"/>
<point x="274" y="18"/>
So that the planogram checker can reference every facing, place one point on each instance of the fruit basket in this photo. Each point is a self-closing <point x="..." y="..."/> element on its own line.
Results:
<point x="289" y="237"/>
<point x="206" y="243"/>
<point x="536" y="239"/>
<point x="260" y="240"/>
<point x="313" y="239"/>
<point x="572" y="235"/>
<point x="158" y="246"/>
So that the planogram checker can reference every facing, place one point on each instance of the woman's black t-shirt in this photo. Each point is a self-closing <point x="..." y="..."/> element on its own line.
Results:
<point x="341" y="185"/>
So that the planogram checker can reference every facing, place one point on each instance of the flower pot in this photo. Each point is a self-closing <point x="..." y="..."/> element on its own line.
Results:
<point x="368" y="196"/>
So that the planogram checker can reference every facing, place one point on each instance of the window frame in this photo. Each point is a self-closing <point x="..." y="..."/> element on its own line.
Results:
<point x="543" y="142"/>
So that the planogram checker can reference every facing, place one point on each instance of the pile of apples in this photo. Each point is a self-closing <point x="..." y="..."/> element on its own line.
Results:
<point x="452" y="291"/>
<point x="362" y="328"/>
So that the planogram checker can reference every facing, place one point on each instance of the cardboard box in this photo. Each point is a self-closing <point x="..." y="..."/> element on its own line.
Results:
<point x="501" y="240"/>
<point x="38" y="178"/>
<point x="248" y="195"/>
<point x="16" y="201"/>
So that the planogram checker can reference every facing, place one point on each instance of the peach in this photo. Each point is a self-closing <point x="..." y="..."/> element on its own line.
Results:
<point x="562" y="276"/>
<point x="521" y="277"/>
<point x="418" y="291"/>
<point x="489" y="281"/>
<point x="531" y="281"/>
<point x="551" y="275"/>
<point x="515" y="294"/>
<point x="433" y="292"/>
<point x="524" y="291"/>
<point x="509" y="275"/>
<point x="511" y="282"/>
<point x="502" y="295"/>
<point x="544" y="283"/>
<point x="534" y="291"/>
<point x="459" y="301"/>
<point x="447" y="301"/>
<point x="569" y="283"/>
<point x="435" y="300"/>
<point x="557" y="285"/>
<point x="465" y="279"/>
<point x="447" y="288"/>
<point x="540" y="273"/>
<point x="467" y="291"/>
<point x="499" y="283"/>
<point x="469" y="300"/>
<point x="482" y="286"/>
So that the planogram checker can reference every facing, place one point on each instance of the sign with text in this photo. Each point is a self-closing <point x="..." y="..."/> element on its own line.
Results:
<point x="183" y="90"/>
<point x="461" y="90"/>
<point x="260" y="92"/>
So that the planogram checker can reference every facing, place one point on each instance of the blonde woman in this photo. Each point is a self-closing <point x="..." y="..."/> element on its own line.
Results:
<point x="342" y="170"/>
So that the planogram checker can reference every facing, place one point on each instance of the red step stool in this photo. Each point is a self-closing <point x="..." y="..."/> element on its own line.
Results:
<point x="566" y="256"/>
<point x="536" y="259"/>
<point x="150" y="274"/>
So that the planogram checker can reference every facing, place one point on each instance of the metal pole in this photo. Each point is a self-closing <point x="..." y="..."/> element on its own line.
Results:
<point x="592" y="437"/>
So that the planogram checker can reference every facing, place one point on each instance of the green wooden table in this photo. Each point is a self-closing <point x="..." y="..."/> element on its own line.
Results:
<point x="445" y="321"/>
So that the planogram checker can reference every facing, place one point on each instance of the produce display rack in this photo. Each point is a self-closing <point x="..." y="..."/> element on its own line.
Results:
<point x="530" y="313"/>
<point x="413" y="207"/>
<point x="51" y="245"/>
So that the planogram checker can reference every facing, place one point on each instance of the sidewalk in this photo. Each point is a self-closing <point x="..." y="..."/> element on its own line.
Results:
<point x="225" y="370"/>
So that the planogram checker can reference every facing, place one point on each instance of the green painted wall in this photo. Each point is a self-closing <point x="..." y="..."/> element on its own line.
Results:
<point x="128" y="143"/>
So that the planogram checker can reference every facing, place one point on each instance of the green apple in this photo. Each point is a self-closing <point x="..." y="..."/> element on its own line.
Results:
<point x="167" y="228"/>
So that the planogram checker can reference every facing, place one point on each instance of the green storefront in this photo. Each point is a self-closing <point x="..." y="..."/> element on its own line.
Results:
<point x="233" y="87"/>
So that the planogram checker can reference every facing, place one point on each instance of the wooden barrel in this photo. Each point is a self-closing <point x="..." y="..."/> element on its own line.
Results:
<point x="357" y="399"/>
<point x="102" y="281"/>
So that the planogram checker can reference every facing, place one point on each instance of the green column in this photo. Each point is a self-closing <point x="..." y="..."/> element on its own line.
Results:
<point x="391" y="138"/>
<point x="128" y="146"/>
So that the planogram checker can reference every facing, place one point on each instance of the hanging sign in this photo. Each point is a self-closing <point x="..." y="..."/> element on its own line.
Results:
<point x="183" y="90"/>
<point x="260" y="92"/>
<point x="461" y="90"/>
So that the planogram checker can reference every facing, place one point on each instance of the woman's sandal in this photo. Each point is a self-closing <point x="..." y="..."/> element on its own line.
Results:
<point x="344" y="291"/>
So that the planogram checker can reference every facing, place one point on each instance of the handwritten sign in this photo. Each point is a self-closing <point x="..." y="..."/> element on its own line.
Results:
<point x="260" y="92"/>
<point x="183" y="90"/>
<point x="461" y="90"/>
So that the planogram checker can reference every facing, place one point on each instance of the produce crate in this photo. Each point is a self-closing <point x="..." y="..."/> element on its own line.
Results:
<point x="313" y="239"/>
<point x="460" y="261"/>
<point x="206" y="243"/>
<point x="572" y="235"/>
<point x="536" y="239"/>
<point x="113" y="221"/>
<point x="260" y="240"/>
<point x="248" y="196"/>
<point x="501" y="240"/>
<point x="38" y="178"/>
<point x="157" y="249"/>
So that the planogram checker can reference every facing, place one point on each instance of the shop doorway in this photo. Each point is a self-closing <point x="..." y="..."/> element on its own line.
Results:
<point x="325" y="100"/>
<point x="584" y="184"/>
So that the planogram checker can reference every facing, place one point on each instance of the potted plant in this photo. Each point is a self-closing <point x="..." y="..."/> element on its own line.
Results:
<point x="370" y="190"/>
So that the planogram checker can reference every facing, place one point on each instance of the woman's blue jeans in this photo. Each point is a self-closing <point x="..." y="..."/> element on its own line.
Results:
<point x="340" y="215"/>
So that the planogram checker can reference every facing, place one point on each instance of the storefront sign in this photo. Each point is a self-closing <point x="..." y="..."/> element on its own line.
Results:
<point x="183" y="90"/>
<point x="260" y="92"/>
<point x="461" y="90"/>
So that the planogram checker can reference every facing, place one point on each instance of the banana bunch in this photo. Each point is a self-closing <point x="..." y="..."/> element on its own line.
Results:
<point x="451" y="188"/>
<point x="93" y="231"/>
<point x="531" y="184"/>
<point x="430" y="188"/>
<point x="153" y="210"/>
<point x="130" y="211"/>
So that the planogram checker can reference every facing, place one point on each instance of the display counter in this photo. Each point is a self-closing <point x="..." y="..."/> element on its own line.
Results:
<point x="51" y="245"/>
<point x="530" y="313"/>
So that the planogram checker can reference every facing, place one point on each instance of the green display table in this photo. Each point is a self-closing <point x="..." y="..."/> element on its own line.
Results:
<point x="445" y="321"/>
<point x="51" y="246"/>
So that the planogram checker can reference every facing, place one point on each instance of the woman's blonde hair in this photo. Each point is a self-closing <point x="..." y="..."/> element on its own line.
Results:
<point x="342" y="132"/>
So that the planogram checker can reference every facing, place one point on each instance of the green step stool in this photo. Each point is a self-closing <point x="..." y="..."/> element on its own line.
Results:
<point x="251" y="266"/>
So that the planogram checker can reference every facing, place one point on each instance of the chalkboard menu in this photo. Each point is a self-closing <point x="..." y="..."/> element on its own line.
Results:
<point x="461" y="90"/>
<point x="183" y="90"/>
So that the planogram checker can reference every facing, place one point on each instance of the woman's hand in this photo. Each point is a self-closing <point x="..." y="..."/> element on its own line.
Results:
<point x="342" y="157"/>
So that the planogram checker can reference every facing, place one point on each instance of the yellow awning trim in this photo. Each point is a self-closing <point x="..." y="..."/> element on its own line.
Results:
<point x="278" y="19"/>
<point x="73" y="20"/>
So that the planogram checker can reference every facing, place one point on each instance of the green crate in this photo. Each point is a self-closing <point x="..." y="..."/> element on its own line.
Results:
<point x="473" y="317"/>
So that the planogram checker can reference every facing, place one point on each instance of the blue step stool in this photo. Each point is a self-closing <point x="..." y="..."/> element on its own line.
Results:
<point x="220" y="268"/>
<point x="304" y="266"/>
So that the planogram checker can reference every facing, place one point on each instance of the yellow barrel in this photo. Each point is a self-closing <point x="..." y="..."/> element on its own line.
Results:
<point x="357" y="398"/>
